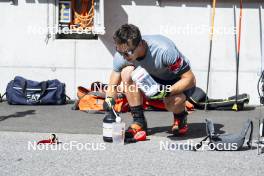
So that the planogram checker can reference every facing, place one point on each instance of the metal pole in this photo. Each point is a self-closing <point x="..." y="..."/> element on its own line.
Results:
<point x="210" y="52"/>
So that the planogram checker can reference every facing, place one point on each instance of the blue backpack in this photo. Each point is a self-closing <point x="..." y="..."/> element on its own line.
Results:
<point x="21" y="91"/>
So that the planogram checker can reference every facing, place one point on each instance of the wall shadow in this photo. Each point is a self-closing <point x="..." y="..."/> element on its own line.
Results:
<point x="114" y="17"/>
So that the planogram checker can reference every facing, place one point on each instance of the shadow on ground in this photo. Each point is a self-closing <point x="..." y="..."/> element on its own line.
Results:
<point x="249" y="108"/>
<point x="196" y="130"/>
<point x="18" y="114"/>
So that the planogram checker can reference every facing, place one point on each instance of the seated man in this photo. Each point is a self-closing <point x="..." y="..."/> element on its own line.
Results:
<point x="166" y="65"/>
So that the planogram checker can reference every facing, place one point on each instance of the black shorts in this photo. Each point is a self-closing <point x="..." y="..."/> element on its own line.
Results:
<point x="188" y="93"/>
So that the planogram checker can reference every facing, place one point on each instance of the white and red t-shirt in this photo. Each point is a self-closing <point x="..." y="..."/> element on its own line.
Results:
<point x="163" y="60"/>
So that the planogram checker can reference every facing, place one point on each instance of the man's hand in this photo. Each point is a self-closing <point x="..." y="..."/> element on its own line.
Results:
<point x="160" y="95"/>
<point x="109" y="103"/>
<point x="115" y="79"/>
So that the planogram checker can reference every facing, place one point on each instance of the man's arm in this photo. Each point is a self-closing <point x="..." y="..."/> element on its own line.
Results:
<point x="186" y="82"/>
<point x="115" y="79"/>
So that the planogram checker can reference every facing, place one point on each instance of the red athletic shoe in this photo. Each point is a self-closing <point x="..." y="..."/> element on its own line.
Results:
<point x="180" y="126"/>
<point x="134" y="135"/>
<point x="137" y="126"/>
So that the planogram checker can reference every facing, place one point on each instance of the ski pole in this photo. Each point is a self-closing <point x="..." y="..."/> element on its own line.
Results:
<point x="210" y="52"/>
<point x="260" y="87"/>
<point x="235" y="107"/>
<point x="235" y="33"/>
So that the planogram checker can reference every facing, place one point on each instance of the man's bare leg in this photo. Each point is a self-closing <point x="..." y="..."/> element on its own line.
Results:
<point x="176" y="104"/>
<point x="135" y="100"/>
<point x="133" y="95"/>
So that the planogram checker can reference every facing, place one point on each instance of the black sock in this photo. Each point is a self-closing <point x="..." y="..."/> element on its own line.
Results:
<point x="137" y="113"/>
<point x="181" y="115"/>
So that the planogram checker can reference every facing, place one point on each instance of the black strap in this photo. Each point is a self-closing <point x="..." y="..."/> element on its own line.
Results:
<point x="261" y="132"/>
<point x="247" y="125"/>
<point x="44" y="86"/>
<point x="97" y="94"/>
<point x="1" y="97"/>
<point x="24" y="86"/>
<point x="69" y="98"/>
<point x="249" y="142"/>
<point x="200" y="143"/>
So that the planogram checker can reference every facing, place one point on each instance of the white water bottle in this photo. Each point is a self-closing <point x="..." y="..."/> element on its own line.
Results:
<point x="118" y="133"/>
<point x="145" y="82"/>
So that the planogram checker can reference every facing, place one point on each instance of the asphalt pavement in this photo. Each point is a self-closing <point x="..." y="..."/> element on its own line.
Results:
<point x="83" y="152"/>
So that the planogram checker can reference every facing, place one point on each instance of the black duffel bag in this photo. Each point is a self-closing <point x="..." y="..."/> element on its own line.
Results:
<point x="21" y="91"/>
